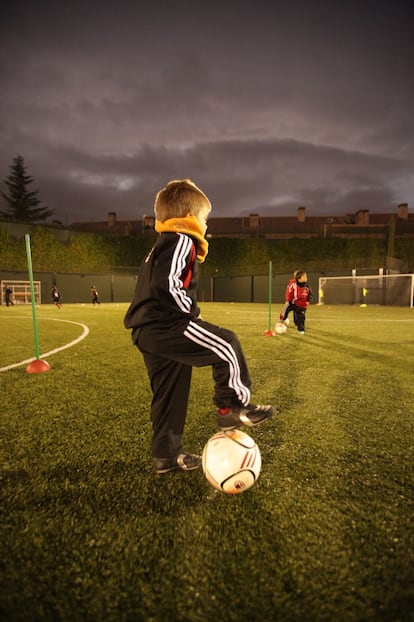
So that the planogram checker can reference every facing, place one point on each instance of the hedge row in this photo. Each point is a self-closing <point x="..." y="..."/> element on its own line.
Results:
<point x="82" y="252"/>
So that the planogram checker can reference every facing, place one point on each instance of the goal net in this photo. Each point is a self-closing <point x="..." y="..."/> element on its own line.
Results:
<point x="20" y="292"/>
<point x="390" y="290"/>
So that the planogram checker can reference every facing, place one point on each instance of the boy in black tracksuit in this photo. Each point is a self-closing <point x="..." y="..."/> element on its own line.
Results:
<point x="168" y="330"/>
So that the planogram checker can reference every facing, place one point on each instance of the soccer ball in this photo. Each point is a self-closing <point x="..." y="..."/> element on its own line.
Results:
<point x="231" y="461"/>
<point x="280" y="328"/>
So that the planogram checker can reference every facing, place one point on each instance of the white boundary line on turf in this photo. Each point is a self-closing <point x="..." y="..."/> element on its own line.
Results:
<point x="84" y="334"/>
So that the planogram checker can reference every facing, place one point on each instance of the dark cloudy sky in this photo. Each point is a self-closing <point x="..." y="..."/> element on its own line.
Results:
<point x="267" y="105"/>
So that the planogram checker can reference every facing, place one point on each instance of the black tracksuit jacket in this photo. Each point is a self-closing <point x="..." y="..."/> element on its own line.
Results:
<point x="167" y="328"/>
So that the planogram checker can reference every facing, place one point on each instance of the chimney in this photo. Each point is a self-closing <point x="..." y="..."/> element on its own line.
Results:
<point x="362" y="217"/>
<point x="254" y="221"/>
<point x="403" y="211"/>
<point x="301" y="214"/>
<point x="148" y="222"/>
<point x="111" y="219"/>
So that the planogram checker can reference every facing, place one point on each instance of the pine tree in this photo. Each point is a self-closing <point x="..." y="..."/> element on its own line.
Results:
<point x="22" y="204"/>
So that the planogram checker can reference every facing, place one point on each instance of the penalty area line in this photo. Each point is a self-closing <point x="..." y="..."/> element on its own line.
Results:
<point x="85" y="333"/>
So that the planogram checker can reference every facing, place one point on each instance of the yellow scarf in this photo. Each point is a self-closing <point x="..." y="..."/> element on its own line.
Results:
<point x="189" y="225"/>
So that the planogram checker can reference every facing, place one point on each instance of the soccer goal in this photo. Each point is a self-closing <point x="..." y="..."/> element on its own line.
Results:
<point x="389" y="290"/>
<point x="21" y="292"/>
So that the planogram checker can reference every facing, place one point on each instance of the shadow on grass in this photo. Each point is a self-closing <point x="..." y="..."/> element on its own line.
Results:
<point x="359" y="347"/>
<point x="107" y="489"/>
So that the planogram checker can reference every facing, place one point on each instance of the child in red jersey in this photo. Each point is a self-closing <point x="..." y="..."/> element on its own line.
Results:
<point x="298" y="297"/>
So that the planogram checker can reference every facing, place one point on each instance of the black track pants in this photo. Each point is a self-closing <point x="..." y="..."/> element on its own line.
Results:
<point x="286" y="309"/>
<point x="170" y="353"/>
<point x="299" y="317"/>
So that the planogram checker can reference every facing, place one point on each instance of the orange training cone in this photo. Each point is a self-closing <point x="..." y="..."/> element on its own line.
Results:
<point x="37" y="366"/>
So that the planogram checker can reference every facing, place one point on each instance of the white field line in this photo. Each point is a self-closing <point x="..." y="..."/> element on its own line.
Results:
<point x="84" y="334"/>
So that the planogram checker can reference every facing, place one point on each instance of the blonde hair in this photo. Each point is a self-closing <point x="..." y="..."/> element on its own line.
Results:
<point x="178" y="199"/>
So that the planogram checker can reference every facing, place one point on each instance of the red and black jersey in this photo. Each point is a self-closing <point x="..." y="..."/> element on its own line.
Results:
<point x="299" y="294"/>
<point x="166" y="291"/>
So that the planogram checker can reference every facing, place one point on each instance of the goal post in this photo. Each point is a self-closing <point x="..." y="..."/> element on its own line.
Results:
<point x="21" y="292"/>
<point x="380" y="289"/>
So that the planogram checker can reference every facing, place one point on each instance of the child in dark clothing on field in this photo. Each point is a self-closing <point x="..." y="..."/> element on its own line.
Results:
<point x="9" y="296"/>
<point x="168" y="330"/>
<point x="95" y="296"/>
<point x="298" y="296"/>
<point x="56" y="296"/>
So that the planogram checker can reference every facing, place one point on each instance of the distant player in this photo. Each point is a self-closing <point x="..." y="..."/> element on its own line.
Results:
<point x="298" y="297"/>
<point x="56" y="297"/>
<point x="95" y="296"/>
<point x="9" y="296"/>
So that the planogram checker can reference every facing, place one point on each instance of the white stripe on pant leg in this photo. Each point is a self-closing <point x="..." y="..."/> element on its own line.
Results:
<point x="229" y="355"/>
<point x="225" y="352"/>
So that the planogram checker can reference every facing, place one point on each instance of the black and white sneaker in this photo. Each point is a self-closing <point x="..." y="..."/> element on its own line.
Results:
<point x="249" y="416"/>
<point x="182" y="462"/>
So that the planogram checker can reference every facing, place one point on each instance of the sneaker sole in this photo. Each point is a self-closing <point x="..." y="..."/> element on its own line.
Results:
<point x="175" y="468"/>
<point x="180" y="465"/>
<point x="245" y="422"/>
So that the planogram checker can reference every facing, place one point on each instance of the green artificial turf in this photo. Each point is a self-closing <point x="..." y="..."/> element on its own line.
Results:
<point x="89" y="533"/>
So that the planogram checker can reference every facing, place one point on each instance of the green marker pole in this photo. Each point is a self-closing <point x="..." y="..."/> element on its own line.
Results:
<point x="270" y="295"/>
<point x="270" y="332"/>
<point x="29" y="263"/>
<point x="37" y="365"/>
